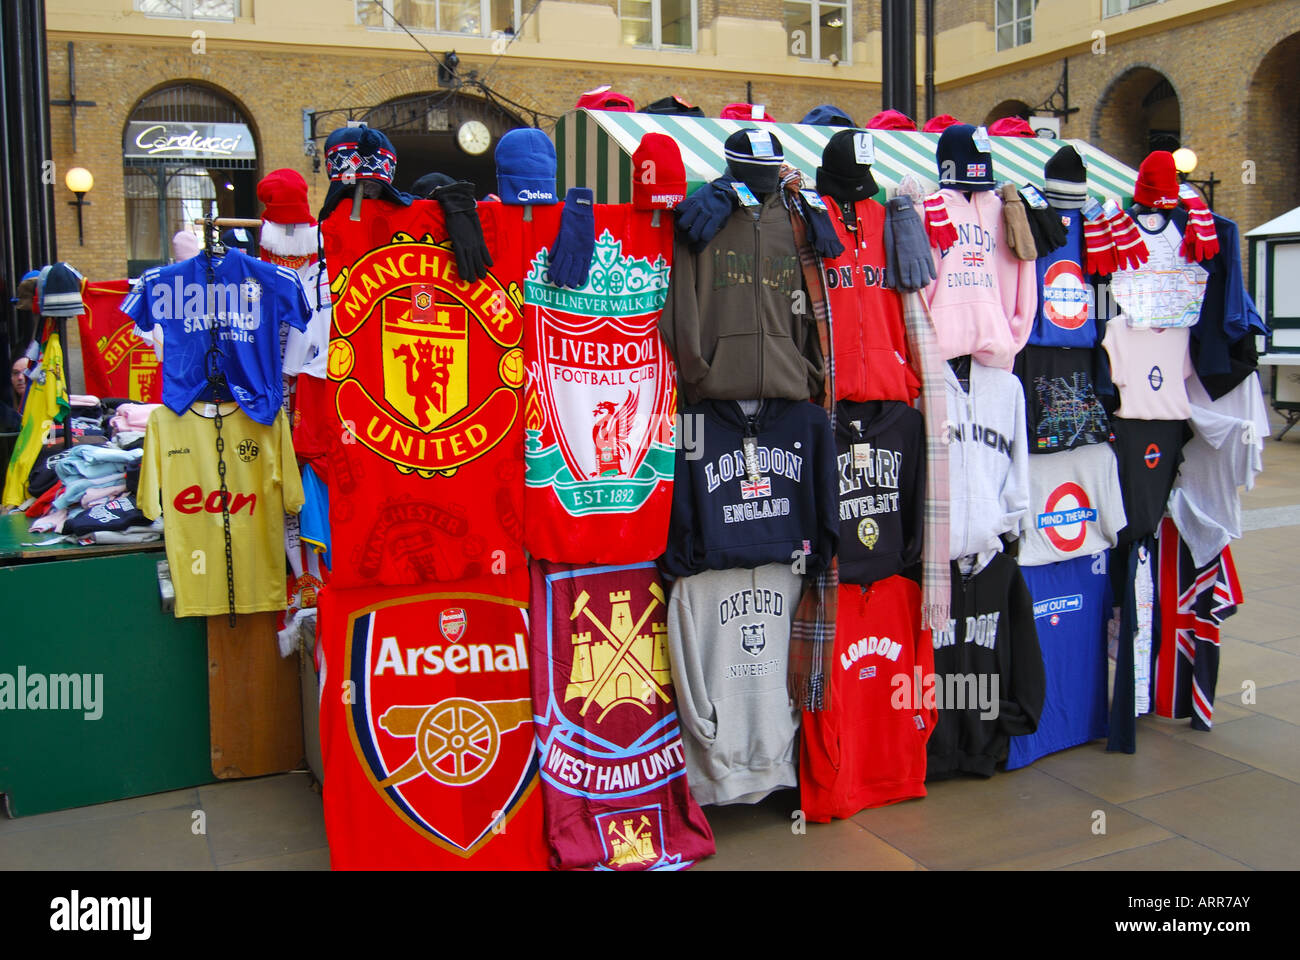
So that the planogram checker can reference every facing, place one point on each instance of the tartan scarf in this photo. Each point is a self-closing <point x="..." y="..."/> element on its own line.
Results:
<point x="936" y="587"/>
<point x="812" y="633"/>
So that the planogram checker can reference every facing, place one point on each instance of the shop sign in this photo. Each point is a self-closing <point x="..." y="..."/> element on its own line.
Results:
<point x="232" y="141"/>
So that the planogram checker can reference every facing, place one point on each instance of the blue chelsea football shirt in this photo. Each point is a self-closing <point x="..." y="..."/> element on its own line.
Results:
<point x="247" y="302"/>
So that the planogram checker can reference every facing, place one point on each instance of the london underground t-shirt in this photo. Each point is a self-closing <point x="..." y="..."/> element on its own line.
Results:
<point x="247" y="302"/>
<point x="1067" y="306"/>
<point x="1075" y="505"/>
<point x="1149" y="366"/>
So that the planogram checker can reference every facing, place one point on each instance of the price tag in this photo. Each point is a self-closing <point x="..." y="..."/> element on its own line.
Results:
<point x="1188" y="192"/>
<point x="814" y="201"/>
<point x="1029" y="193"/>
<point x="749" y="446"/>
<point x="864" y="148"/>
<point x="1110" y="208"/>
<point x="210" y="410"/>
<point x="757" y="111"/>
<point x="981" y="140"/>
<point x="1092" y="210"/>
<point x="760" y="141"/>
<point x="862" y="456"/>
<point x="746" y="195"/>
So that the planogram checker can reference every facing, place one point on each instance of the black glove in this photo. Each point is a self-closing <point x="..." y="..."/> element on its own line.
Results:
<point x="576" y="241"/>
<point x="1048" y="230"/>
<point x="821" y="232"/>
<point x="464" y="229"/>
<point x="702" y="214"/>
<point x="912" y="266"/>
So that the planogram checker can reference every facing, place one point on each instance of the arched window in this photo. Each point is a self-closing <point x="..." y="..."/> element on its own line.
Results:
<point x="1138" y="113"/>
<point x="187" y="151"/>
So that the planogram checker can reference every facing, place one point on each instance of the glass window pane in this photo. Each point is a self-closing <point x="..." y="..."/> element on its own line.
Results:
<point x="1005" y="11"/>
<point x="223" y="9"/>
<point x="459" y="16"/>
<point x="1006" y="37"/>
<point x="369" y="13"/>
<point x="832" y="32"/>
<point x="798" y="29"/>
<point x="503" y="16"/>
<point x="161" y="8"/>
<point x="1024" y="31"/>
<point x="675" y="23"/>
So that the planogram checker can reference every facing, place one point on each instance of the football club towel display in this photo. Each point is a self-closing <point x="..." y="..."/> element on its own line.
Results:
<point x="613" y="765"/>
<point x="428" y="374"/>
<point x="600" y="398"/>
<point x="116" y="363"/>
<point x="427" y="730"/>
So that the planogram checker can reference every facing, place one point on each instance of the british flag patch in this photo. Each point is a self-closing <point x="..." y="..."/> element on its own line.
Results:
<point x="972" y="259"/>
<point x="753" y="489"/>
<point x="976" y="170"/>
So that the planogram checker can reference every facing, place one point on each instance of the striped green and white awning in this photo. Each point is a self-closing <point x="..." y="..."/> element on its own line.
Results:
<point x="594" y="149"/>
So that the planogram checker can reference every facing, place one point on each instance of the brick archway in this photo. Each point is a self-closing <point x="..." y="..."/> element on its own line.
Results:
<point x="1008" y="108"/>
<point x="1272" y="135"/>
<point x="1139" y="111"/>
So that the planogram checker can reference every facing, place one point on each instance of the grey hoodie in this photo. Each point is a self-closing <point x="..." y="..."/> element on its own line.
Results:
<point x="729" y="643"/>
<point x="730" y="319"/>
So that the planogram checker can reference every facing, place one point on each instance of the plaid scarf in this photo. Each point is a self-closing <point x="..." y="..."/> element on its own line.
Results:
<point x="812" y="634"/>
<point x="933" y="404"/>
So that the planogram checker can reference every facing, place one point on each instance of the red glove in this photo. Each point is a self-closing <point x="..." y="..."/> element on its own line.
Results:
<point x="1099" y="247"/>
<point x="1200" y="239"/>
<point x="1130" y="248"/>
<point x="937" y="223"/>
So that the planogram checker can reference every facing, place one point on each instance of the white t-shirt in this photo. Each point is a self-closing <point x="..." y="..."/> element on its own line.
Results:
<point x="1166" y="291"/>
<point x="1149" y="366"/>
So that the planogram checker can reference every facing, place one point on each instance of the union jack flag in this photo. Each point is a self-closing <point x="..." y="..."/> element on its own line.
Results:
<point x="1193" y="602"/>
<point x="752" y="489"/>
<point x="972" y="259"/>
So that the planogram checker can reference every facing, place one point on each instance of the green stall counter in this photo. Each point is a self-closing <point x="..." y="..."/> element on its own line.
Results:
<point x="135" y="721"/>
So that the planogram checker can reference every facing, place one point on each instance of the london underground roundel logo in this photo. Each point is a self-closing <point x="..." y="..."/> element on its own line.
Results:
<point x="1065" y="295"/>
<point x="1152" y="456"/>
<point x="1065" y="515"/>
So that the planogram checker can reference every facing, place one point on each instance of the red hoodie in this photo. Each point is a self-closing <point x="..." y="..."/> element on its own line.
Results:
<point x="869" y="346"/>
<point x="868" y="749"/>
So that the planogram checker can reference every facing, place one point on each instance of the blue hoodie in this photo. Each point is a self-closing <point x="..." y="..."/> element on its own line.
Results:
<point x="723" y="519"/>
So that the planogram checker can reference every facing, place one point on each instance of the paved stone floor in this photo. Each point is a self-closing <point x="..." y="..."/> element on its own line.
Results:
<point x="1222" y="800"/>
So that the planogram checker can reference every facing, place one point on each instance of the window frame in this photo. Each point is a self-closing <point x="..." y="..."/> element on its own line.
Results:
<point x="486" y="30"/>
<point x="188" y="12"/>
<point x="657" y="26"/>
<point x="815" y="41"/>
<point x="1014" y="23"/>
<point x="1125" y="6"/>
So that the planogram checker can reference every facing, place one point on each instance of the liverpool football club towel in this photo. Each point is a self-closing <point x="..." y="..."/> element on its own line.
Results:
<point x="600" y="396"/>
<point x="427" y="728"/>
<point x="609" y="743"/>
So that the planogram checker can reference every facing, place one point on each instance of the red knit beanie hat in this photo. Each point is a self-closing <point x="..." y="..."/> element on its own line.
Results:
<point x="284" y="194"/>
<point x="1011" y="127"/>
<point x="658" y="175"/>
<point x="745" y="111"/>
<point x="1157" y="182"/>
<point x="603" y="98"/>
<point x="890" y="120"/>
<point x="940" y="123"/>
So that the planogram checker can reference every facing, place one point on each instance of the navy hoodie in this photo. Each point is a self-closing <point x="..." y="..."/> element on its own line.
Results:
<point x="882" y="502"/>
<point x="991" y="639"/>
<point x="723" y="518"/>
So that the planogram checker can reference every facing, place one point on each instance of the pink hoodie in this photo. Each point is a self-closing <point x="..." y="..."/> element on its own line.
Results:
<point x="984" y="299"/>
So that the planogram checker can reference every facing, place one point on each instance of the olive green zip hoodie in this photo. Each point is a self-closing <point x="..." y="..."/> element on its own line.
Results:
<point x="731" y="319"/>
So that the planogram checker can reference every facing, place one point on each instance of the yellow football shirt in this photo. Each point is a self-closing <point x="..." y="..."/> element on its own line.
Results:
<point x="179" y="481"/>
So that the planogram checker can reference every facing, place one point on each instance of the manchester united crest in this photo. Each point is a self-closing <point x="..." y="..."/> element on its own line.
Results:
<point x="427" y="366"/>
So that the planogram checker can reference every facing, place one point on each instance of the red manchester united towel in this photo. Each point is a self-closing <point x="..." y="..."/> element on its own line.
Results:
<point x="426" y="375"/>
<point x="427" y="728"/>
<point x="612" y="763"/>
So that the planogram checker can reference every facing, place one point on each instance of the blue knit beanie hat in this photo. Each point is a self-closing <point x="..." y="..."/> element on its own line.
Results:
<point x="526" y="168"/>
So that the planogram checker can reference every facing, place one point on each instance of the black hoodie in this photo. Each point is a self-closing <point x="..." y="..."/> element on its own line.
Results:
<point x="723" y="518"/>
<point x="991" y="638"/>
<point x="882" y="500"/>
